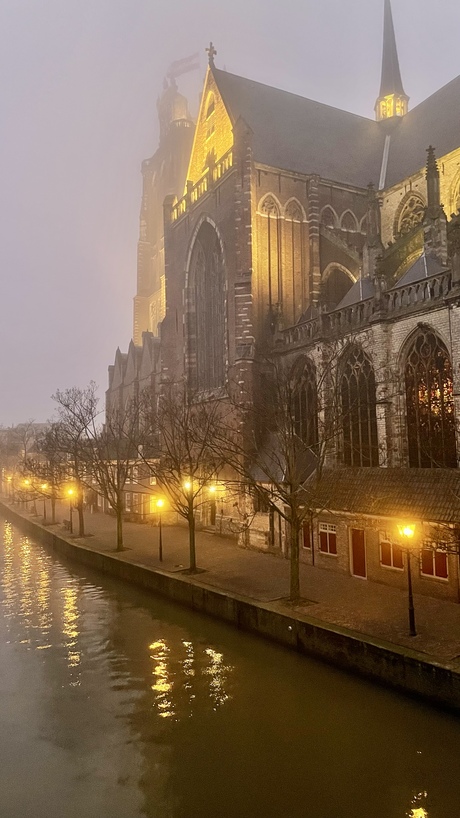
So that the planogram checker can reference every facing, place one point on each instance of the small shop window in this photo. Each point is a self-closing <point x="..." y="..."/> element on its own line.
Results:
<point x="434" y="563"/>
<point x="328" y="538"/>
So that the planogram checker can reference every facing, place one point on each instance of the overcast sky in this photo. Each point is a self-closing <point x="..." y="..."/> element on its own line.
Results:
<point x="79" y="81"/>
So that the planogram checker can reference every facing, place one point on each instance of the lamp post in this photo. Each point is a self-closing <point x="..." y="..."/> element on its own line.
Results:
<point x="406" y="533"/>
<point x="160" y="504"/>
<point x="44" y="486"/>
<point x="70" y="494"/>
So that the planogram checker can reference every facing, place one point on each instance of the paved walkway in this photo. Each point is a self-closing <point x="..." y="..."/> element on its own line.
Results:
<point x="369" y="608"/>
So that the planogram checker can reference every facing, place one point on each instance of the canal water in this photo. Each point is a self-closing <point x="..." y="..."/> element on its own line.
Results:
<point x="116" y="704"/>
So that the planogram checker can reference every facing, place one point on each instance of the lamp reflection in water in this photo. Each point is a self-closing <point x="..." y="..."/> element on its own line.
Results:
<point x="417" y="808"/>
<point x="406" y="532"/>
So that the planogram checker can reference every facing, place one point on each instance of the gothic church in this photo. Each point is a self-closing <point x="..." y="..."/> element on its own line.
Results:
<point x="274" y="223"/>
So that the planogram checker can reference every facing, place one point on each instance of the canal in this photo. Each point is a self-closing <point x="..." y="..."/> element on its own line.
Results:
<point x="116" y="704"/>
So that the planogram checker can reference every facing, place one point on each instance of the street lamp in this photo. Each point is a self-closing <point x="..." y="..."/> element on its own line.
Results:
<point x="406" y="532"/>
<point x="160" y="503"/>
<point x="70" y="494"/>
<point x="44" y="486"/>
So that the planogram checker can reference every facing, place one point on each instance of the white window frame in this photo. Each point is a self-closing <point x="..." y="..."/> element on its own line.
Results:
<point x="328" y="528"/>
<point x="384" y="538"/>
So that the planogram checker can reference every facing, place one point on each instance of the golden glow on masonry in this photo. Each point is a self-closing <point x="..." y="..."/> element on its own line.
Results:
<point x="213" y="135"/>
<point x="389" y="106"/>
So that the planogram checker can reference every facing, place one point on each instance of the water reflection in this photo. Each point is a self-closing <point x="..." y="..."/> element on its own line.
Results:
<point x="126" y="707"/>
<point x="191" y="670"/>
<point x="418" y="805"/>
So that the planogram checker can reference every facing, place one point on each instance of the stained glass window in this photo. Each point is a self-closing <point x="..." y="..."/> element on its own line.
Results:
<point x="206" y="311"/>
<point x="430" y="403"/>
<point x="359" y="418"/>
<point x="305" y="404"/>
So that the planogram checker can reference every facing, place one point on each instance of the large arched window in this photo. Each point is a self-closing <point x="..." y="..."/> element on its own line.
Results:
<point x="271" y="252"/>
<point x="305" y="408"/>
<point x="335" y="284"/>
<point x="430" y="403"/>
<point x="206" y="311"/>
<point x="358" y="405"/>
<point x="294" y="255"/>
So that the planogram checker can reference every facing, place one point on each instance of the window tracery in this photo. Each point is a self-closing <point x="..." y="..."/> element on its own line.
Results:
<point x="305" y="409"/>
<point x="359" y="416"/>
<point x="206" y="314"/>
<point x="271" y="244"/>
<point x="348" y="222"/>
<point x="430" y="403"/>
<point x="412" y="213"/>
<point x="294" y="254"/>
<point x="328" y="218"/>
<point x="455" y="197"/>
<point x="294" y="211"/>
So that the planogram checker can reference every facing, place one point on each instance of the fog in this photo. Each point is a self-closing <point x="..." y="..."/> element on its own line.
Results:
<point x="79" y="81"/>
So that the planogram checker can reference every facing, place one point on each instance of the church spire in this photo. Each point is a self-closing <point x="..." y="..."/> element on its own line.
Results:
<point x="392" y="101"/>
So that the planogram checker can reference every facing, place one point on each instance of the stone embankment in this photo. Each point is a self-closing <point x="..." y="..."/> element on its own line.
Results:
<point x="396" y="665"/>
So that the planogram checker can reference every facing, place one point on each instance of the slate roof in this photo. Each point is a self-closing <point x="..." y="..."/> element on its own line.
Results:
<point x="361" y="290"/>
<point x="424" y="267"/>
<point x="436" y="121"/>
<point x="300" y="135"/>
<point x="428" y="494"/>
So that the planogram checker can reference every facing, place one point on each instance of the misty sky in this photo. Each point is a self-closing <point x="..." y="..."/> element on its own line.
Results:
<point x="79" y="81"/>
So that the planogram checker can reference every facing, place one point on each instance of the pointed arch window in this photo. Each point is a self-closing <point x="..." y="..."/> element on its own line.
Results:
<point x="411" y="214"/>
<point x="359" y="416"/>
<point x="349" y="222"/>
<point x="328" y="218"/>
<point x="294" y="284"/>
<point x="306" y="403"/>
<point x="207" y="311"/>
<point x="272" y="253"/>
<point x="430" y="403"/>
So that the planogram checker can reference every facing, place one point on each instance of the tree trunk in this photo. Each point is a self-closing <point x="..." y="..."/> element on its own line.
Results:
<point x="119" y="513"/>
<point x="53" y="510"/>
<point x="294" y="584"/>
<point x="191" y="535"/>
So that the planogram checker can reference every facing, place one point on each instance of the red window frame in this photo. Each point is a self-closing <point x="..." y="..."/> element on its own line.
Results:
<point x="306" y="535"/>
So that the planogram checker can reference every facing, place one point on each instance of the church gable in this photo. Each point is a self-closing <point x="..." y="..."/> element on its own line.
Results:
<point x="213" y="133"/>
<point x="132" y="364"/>
<point x="119" y="370"/>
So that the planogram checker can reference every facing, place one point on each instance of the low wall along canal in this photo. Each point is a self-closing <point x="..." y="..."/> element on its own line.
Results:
<point x="382" y="662"/>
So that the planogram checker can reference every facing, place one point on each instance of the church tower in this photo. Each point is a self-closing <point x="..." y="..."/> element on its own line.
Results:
<point x="392" y="101"/>
<point x="163" y="175"/>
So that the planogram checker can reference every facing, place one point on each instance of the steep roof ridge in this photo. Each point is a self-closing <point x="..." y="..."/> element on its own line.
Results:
<point x="219" y="74"/>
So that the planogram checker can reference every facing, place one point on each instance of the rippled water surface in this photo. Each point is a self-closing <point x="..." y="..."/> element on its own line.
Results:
<point x="115" y="704"/>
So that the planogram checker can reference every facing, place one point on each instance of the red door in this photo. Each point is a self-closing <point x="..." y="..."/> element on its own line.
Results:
<point x="358" y="553"/>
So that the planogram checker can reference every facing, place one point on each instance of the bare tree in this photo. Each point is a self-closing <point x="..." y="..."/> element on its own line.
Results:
<point x="186" y="461"/>
<point x="104" y="452"/>
<point x="50" y="468"/>
<point x="282" y="441"/>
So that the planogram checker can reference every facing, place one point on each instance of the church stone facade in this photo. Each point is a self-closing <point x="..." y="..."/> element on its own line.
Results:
<point x="281" y="224"/>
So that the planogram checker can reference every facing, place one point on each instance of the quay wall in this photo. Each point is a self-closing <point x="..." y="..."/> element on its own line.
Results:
<point x="383" y="662"/>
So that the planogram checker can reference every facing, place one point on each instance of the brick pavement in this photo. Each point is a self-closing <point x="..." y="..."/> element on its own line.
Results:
<point x="375" y="610"/>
